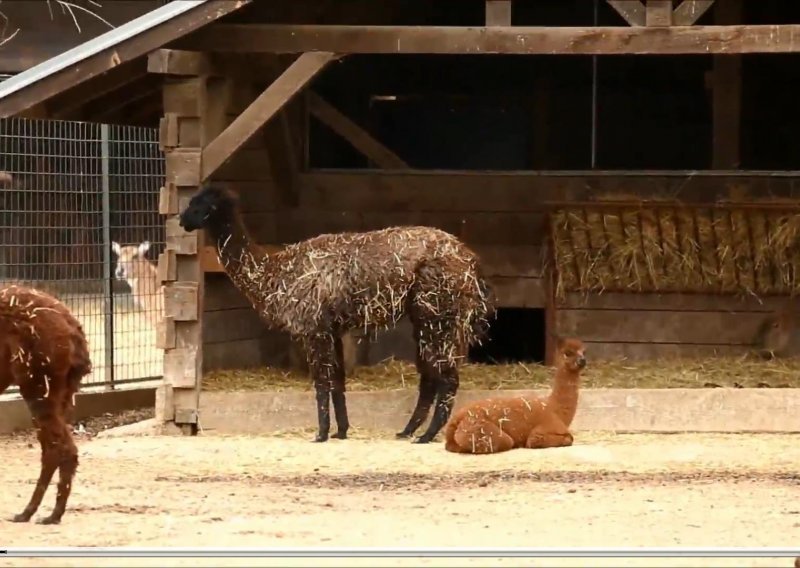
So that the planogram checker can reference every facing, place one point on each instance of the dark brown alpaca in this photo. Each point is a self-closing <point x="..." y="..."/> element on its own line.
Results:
<point x="499" y="424"/>
<point x="320" y="288"/>
<point x="44" y="352"/>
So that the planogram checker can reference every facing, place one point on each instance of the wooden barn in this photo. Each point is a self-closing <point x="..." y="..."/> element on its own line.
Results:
<point x="624" y="168"/>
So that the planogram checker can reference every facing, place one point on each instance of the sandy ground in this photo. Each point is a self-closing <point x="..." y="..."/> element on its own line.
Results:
<point x="370" y="491"/>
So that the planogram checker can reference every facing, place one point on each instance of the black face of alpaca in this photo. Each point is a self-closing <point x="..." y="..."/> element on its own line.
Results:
<point x="207" y="207"/>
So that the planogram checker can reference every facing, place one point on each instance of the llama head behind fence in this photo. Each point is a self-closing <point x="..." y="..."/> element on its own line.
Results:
<point x="131" y="261"/>
<point x="141" y="275"/>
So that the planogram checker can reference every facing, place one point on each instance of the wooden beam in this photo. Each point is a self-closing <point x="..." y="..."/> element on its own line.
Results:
<point x="727" y="96"/>
<point x="179" y="62"/>
<point x="632" y="11"/>
<point x="68" y="105"/>
<point x="109" y="105"/>
<point x="655" y="40"/>
<point x="113" y="56"/>
<point x="689" y="11"/>
<point x="359" y="138"/>
<point x="525" y="191"/>
<point x="658" y="13"/>
<point x="498" y="12"/>
<point x="260" y="111"/>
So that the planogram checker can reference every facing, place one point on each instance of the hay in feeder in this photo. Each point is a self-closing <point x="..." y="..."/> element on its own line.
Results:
<point x="665" y="247"/>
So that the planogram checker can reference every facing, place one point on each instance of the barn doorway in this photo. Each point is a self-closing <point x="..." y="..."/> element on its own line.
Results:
<point x="516" y="335"/>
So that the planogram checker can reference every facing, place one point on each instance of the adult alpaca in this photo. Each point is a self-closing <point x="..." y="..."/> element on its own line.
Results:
<point x="44" y="352"/>
<point x="319" y="288"/>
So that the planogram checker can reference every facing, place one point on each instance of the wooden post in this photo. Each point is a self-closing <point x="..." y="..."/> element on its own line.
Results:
<point x="727" y="95"/>
<point x="498" y="12"/>
<point x="194" y="108"/>
<point x="658" y="13"/>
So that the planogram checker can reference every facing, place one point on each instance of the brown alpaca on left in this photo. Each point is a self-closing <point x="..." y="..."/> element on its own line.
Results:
<point x="44" y="352"/>
<point x="499" y="424"/>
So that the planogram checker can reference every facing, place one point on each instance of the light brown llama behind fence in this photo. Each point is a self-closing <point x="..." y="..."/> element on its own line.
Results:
<point x="499" y="424"/>
<point x="43" y="351"/>
<point x="142" y="277"/>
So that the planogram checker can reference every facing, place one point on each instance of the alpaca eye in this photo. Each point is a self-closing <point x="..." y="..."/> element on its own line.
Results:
<point x="568" y="354"/>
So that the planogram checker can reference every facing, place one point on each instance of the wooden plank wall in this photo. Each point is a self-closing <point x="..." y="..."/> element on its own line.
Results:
<point x="644" y="326"/>
<point x="502" y="217"/>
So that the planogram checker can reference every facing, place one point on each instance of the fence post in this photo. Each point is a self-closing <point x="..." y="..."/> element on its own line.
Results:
<point x="108" y="275"/>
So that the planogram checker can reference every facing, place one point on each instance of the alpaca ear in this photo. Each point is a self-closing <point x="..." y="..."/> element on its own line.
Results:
<point x="115" y="247"/>
<point x="144" y="247"/>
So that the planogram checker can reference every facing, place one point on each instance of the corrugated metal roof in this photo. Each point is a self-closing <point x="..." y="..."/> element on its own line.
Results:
<point x="98" y="44"/>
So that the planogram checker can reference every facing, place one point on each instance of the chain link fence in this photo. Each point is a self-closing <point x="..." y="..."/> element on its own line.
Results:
<point x="79" y="219"/>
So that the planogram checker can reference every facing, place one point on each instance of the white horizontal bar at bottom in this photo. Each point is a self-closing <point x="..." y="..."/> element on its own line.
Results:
<point x="179" y="552"/>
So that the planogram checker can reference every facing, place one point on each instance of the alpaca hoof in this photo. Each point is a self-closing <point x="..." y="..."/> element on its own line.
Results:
<point x="402" y="435"/>
<point x="51" y="520"/>
<point x="341" y="435"/>
<point x="21" y="518"/>
<point x="422" y="440"/>
<point x="320" y="438"/>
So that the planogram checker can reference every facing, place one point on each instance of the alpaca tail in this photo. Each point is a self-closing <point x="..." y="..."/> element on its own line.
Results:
<point x="484" y="310"/>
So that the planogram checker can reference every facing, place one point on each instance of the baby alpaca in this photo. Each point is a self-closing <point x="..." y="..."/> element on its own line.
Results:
<point x="499" y="424"/>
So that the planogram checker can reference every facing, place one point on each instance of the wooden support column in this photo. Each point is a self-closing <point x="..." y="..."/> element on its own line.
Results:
<point x="194" y="108"/>
<point x="498" y="12"/>
<point x="726" y="84"/>
<point x="658" y="13"/>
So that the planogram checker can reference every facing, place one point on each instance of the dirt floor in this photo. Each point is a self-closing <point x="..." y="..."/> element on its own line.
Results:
<point x="373" y="491"/>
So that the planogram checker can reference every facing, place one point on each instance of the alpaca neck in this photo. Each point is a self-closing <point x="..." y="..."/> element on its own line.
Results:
<point x="235" y="250"/>
<point x="563" y="399"/>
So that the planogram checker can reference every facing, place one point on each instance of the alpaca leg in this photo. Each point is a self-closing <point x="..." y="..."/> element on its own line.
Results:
<point x="446" y="389"/>
<point x="450" y="429"/>
<point x="66" y="472"/>
<point x="68" y="464"/>
<point x="337" y="393"/>
<point x="549" y="436"/>
<point x="481" y="437"/>
<point x="45" y="419"/>
<point x="425" y="398"/>
<point x="322" y="362"/>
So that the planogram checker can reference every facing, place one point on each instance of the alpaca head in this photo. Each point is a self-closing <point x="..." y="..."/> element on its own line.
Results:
<point x="211" y="205"/>
<point x="128" y="258"/>
<point x="571" y="354"/>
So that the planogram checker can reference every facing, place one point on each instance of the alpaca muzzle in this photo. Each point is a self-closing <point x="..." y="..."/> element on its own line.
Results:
<point x="580" y="362"/>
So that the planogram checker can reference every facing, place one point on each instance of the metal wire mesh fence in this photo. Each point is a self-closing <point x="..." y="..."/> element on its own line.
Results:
<point x="79" y="219"/>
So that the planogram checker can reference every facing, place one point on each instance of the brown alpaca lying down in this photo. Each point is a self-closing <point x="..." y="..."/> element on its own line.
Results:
<point x="499" y="424"/>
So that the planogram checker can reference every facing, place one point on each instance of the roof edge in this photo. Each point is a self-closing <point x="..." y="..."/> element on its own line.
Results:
<point x="96" y="45"/>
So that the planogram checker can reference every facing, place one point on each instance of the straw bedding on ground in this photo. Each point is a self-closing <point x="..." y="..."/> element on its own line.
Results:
<point x="745" y="372"/>
<point x="666" y="247"/>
